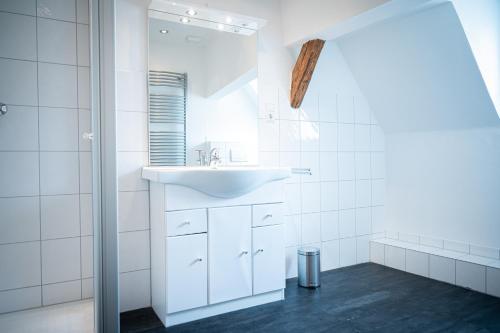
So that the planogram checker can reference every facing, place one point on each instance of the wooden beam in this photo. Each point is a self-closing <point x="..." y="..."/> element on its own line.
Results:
<point x="303" y="70"/>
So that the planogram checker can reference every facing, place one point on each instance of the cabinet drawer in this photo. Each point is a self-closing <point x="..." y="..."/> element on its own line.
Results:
<point x="186" y="272"/>
<point x="267" y="214"/>
<point x="186" y="222"/>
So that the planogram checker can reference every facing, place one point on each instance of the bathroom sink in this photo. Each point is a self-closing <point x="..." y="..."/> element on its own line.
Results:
<point x="221" y="182"/>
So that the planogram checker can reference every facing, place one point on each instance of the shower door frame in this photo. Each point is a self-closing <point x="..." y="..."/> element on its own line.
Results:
<point x="104" y="184"/>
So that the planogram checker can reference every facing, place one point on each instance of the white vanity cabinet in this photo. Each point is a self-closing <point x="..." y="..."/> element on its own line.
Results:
<point x="214" y="255"/>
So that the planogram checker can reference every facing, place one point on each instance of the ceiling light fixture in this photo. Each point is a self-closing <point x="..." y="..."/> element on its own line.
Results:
<point x="164" y="31"/>
<point x="184" y="20"/>
<point x="229" y="19"/>
<point x="191" y="12"/>
<point x="220" y="26"/>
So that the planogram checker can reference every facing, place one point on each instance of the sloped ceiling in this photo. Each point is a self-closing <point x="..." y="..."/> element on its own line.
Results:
<point x="418" y="73"/>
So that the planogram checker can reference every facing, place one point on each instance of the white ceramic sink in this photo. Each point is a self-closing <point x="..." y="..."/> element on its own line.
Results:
<point x="221" y="182"/>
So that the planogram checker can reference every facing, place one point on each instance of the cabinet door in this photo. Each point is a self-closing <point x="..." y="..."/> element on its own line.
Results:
<point x="268" y="259"/>
<point x="229" y="248"/>
<point x="186" y="272"/>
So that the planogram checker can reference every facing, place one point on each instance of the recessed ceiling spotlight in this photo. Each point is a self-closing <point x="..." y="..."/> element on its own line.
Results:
<point x="229" y="19"/>
<point x="174" y="3"/>
<point x="164" y="31"/>
<point x="237" y="30"/>
<point x="245" y="24"/>
<point x="220" y="26"/>
<point x="184" y="20"/>
<point x="191" y="12"/>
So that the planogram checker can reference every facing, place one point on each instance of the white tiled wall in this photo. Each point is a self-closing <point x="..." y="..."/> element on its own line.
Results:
<point x="45" y="178"/>
<point x="340" y="205"/>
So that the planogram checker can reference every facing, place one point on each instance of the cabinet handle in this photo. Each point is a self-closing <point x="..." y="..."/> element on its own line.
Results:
<point x="198" y="259"/>
<point x="185" y="223"/>
<point x="260" y="250"/>
<point x="268" y="216"/>
<point x="243" y="253"/>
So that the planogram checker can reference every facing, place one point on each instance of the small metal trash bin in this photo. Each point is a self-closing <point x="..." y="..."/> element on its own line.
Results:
<point x="309" y="267"/>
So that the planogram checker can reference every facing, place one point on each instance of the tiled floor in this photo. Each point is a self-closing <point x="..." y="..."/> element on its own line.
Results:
<point x="361" y="298"/>
<point x="74" y="317"/>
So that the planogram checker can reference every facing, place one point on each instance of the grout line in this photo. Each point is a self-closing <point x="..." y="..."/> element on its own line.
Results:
<point x="42" y="17"/>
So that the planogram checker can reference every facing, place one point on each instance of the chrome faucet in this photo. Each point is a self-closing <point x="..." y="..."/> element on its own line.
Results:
<point x="214" y="158"/>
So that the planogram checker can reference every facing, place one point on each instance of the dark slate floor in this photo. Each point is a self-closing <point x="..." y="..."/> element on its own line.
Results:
<point x="361" y="298"/>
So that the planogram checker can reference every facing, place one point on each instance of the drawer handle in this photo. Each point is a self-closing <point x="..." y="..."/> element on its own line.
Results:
<point x="198" y="260"/>
<point x="260" y="250"/>
<point x="243" y="253"/>
<point x="268" y="216"/>
<point x="185" y="223"/>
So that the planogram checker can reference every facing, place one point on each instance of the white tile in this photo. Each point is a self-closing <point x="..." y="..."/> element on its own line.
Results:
<point x="346" y="166"/>
<point x="27" y="7"/>
<point x="87" y="256"/>
<point x="134" y="251"/>
<point x="83" y="87"/>
<point x="309" y="108"/>
<point x="285" y="110"/>
<point x="19" y="265"/>
<point x="19" y="219"/>
<point x="85" y="172"/>
<point x="311" y="202"/>
<point x="456" y="246"/>
<point x="484" y="251"/>
<point x="377" y="253"/>
<point x="330" y="254"/>
<point x="135" y="290"/>
<point x="417" y="263"/>
<point x="391" y="234"/>
<point x="83" y="46"/>
<point x="292" y="230"/>
<point x="286" y="159"/>
<point x="329" y="196"/>
<point x="133" y="211"/>
<point x="311" y="228"/>
<point x="346" y="137"/>
<point x="309" y="136"/>
<point x="19" y="82"/>
<point x="345" y="107"/>
<point x="362" y="137"/>
<point x="84" y="126"/>
<point x="362" y="165"/>
<point x="82" y="11"/>
<point x="129" y="171"/>
<point x="378" y="224"/>
<point x="19" y="129"/>
<point x="347" y="249"/>
<point x="19" y="174"/>
<point x="492" y="281"/>
<point x="328" y="137"/>
<point x="471" y="276"/>
<point x="329" y="225"/>
<point x="87" y="288"/>
<point x="378" y="192"/>
<point x="60" y="216"/>
<point x="132" y="129"/>
<point x="378" y="165"/>
<point x="270" y="159"/>
<point x="57" y="9"/>
<point x="20" y="299"/>
<point x="327" y="107"/>
<point x="60" y="260"/>
<point x="56" y="41"/>
<point x="57" y="85"/>
<point x="347" y="223"/>
<point x="58" y="129"/>
<point x="442" y="269"/>
<point x="310" y="160"/>
<point x="347" y="194"/>
<point x="362" y="249"/>
<point x="363" y="193"/>
<point x="410" y="238"/>
<point x="18" y="36"/>
<point x="328" y="166"/>
<point x="131" y="91"/>
<point x="291" y="262"/>
<point x="61" y="292"/>
<point x="361" y="110"/>
<point x="395" y="257"/>
<point x="58" y="173"/>
<point x="87" y="225"/>
<point x="378" y="138"/>
<point x="430" y="241"/>
<point x="269" y="135"/>
<point x="363" y="221"/>
<point x="293" y="199"/>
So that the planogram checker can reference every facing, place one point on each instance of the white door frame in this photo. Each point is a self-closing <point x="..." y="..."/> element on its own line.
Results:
<point x="104" y="186"/>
